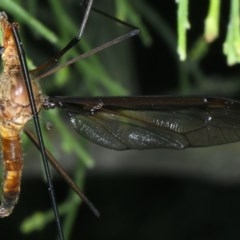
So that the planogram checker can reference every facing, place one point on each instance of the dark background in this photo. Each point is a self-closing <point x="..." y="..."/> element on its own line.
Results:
<point x="192" y="194"/>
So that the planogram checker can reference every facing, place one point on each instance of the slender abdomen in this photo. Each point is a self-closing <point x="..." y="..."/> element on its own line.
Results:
<point x="12" y="171"/>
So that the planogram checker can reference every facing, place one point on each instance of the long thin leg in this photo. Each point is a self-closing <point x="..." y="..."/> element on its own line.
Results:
<point x="25" y="72"/>
<point x="63" y="173"/>
<point x="89" y="53"/>
<point x="43" y="71"/>
<point x="72" y="43"/>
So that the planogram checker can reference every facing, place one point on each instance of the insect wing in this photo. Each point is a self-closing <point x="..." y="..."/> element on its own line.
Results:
<point x="154" y="122"/>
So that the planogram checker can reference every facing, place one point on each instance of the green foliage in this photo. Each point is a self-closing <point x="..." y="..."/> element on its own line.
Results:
<point x="231" y="45"/>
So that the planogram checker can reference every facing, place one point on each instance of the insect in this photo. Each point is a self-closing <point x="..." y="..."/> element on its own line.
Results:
<point x="122" y="123"/>
<point x="17" y="109"/>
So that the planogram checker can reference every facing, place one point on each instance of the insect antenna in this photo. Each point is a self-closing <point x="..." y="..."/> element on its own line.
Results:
<point x="26" y="76"/>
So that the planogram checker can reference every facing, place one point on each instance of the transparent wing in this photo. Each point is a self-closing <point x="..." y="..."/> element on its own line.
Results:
<point x="154" y="122"/>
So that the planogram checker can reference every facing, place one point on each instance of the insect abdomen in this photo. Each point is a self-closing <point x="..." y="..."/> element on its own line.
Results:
<point x="12" y="171"/>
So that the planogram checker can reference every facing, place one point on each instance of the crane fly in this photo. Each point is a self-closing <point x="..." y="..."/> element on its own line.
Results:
<point x="118" y="123"/>
<point x="21" y="101"/>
